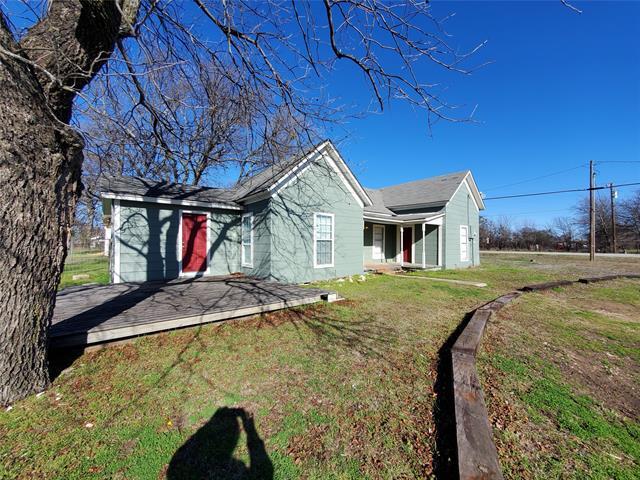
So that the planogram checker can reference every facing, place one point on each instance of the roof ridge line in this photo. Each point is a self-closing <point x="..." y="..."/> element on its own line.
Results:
<point x="461" y="172"/>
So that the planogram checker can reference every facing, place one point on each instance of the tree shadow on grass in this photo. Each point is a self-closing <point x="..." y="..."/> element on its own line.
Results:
<point x="444" y="414"/>
<point x="366" y="335"/>
<point x="209" y="452"/>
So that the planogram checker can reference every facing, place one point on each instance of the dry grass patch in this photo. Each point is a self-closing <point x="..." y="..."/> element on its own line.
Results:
<point x="561" y="370"/>
<point x="343" y="390"/>
<point x="353" y="389"/>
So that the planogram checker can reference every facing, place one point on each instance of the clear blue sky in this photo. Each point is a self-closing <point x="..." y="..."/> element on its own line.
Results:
<point x="563" y="89"/>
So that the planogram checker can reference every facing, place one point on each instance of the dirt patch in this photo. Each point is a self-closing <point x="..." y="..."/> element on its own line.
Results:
<point x="614" y="386"/>
<point x="610" y="378"/>
<point x="607" y="307"/>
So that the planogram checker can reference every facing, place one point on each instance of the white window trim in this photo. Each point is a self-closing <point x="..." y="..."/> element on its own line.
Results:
<point x="466" y="228"/>
<point x="333" y="243"/>
<point x="208" y="254"/>
<point x="373" y="230"/>
<point x="242" y="260"/>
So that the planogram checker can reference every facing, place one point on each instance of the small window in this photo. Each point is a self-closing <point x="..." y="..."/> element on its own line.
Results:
<point x="323" y="239"/>
<point x="247" y="240"/>
<point x="464" y="243"/>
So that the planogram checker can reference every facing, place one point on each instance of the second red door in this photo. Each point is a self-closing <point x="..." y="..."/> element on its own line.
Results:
<point x="406" y="244"/>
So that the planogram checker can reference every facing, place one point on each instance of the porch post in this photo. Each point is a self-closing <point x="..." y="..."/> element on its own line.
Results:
<point x="401" y="245"/>
<point x="424" y="258"/>
<point x="440" y="245"/>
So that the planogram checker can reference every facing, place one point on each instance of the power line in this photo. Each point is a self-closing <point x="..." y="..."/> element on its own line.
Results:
<point x="618" y="161"/>
<point x="558" y="173"/>
<point x="573" y="190"/>
<point x="510" y="214"/>
<point x="537" y="178"/>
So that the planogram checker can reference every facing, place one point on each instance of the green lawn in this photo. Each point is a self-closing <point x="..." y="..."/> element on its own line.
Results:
<point x="343" y="390"/>
<point x="91" y="265"/>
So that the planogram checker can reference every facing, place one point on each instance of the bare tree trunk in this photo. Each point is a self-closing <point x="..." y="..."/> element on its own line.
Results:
<point x="40" y="167"/>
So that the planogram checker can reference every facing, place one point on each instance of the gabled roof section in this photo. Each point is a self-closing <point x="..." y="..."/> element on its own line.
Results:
<point x="141" y="189"/>
<point x="261" y="185"/>
<point x="426" y="193"/>
<point x="477" y="196"/>
<point x="268" y="181"/>
<point x="261" y="181"/>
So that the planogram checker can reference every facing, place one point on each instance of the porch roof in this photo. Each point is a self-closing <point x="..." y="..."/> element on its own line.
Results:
<point x="403" y="219"/>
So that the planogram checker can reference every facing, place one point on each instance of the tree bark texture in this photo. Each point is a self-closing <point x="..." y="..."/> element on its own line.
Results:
<point x="40" y="169"/>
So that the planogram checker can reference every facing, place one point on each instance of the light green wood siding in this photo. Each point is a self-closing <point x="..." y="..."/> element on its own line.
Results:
<point x="149" y="241"/>
<point x="417" y="241"/>
<point x="391" y="240"/>
<point x="317" y="189"/>
<point x="389" y="243"/>
<point x="224" y="242"/>
<point x="431" y="244"/>
<point x="261" y="239"/>
<point x="460" y="211"/>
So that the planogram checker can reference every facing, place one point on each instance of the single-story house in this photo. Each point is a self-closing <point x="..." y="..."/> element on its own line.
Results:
<point x="302" y="220"/>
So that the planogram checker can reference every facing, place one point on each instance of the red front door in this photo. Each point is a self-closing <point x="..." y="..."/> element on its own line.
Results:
<point x="406" y="244"/>
<point x="194" y="242"/>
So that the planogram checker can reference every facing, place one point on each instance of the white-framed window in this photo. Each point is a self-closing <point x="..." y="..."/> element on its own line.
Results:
<point x="247" y="240"/>
<point x="323" y="239"/>
<point x="464" y="243"/>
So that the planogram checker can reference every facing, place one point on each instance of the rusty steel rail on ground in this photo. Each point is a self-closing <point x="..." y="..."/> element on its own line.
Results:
<point x="476" y="451"/>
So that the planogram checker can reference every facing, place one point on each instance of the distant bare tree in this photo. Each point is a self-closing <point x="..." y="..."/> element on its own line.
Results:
<point x="486" y="229"/>
<point x="603" y="221"/>
<point x="629" y="215"/>
<point x="503" y="233"/>
<point x="565" y="230"/>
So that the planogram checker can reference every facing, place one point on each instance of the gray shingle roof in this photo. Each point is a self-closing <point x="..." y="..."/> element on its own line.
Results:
<point x="427" y="192"/>
<point x="378" y="202"/>
<point x="260" y="181"/>
<point x="175" y="191"/>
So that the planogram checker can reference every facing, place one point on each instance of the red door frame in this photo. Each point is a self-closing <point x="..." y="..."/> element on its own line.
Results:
<point x="193" y="243"/>
<point x="407" y="238"/>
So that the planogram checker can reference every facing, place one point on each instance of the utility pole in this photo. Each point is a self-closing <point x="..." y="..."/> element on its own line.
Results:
<point x="592" y="213"/>
<point x="614" y="195"/>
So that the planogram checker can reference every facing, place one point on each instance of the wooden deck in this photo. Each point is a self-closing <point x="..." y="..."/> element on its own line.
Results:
<point x="94" y="314"/>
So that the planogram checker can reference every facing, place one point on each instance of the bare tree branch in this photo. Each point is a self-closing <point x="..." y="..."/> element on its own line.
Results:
<point x="571" y="7"/>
